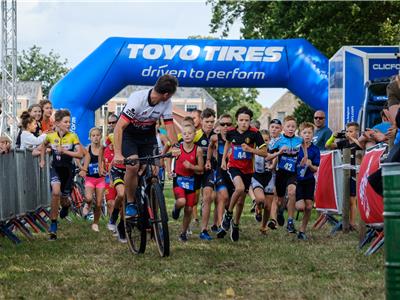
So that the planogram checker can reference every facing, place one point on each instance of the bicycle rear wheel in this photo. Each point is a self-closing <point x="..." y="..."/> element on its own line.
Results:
<point x="160" y="219"/>
<point x="135" y="230"/>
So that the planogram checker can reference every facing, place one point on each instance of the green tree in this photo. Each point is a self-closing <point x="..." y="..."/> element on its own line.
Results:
<point x="303" y="113"/>
<point x="36" y="66"/>
<point x="328" y="25"/>
<point x="230" y="99"/>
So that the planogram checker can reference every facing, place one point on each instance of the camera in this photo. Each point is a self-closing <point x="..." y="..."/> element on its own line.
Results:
<point x="341" y="134"/>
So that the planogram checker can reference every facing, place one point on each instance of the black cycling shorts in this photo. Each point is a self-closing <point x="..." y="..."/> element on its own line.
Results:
<point x="117" y="175"/>
<point x="131" y="146"/>
<point x="63" y="175"/>
<point x="283" y="180"/>
<point x="246" y="178"/>
<point x="305" y="189"/>
<point x="261" y="180"/>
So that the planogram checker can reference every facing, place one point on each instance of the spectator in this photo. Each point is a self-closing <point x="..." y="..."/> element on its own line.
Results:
<point x="256" y="124"/>
<point x="34" y="111"/>
<point x="393" y="93"/>
<point x="378" y="133"/>
<point x="28" y="139"/>
<point x="350" y="141"/>
<point x="5" y="145"/>
<point x="111" y="122"/>
<point x="322" y="133"/>
<point x="47" y="112"/>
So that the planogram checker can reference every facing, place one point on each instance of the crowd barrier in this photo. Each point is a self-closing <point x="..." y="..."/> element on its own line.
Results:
<point x="24" y="186"/>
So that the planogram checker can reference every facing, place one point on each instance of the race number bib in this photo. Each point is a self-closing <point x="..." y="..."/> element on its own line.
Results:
<point x="185" y="182"/>
<point x="93" y="169"/>
<point x="240" y="154"/>
<point x="287" y="163"/>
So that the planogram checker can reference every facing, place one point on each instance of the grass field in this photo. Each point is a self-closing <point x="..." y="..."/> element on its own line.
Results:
<point x="83" y="264"/>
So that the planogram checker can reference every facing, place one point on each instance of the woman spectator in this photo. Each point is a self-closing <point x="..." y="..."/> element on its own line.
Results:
<point x="34" y="111"/>
<point x="47" y="112"/>
<point x="5" y="145"/>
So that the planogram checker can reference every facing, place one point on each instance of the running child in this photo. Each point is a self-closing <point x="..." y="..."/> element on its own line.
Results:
<point x="65" y="146"/>
<point x="290" y="144"/>
<point x="223" y="185"/>
<point x="242" y="141"/>
<point x="260" y="181"/>
<point x="305" y="177"/>
<point x="92" y="171"/>
<point x="275" y="129"/>
<point x="187" y="164"/>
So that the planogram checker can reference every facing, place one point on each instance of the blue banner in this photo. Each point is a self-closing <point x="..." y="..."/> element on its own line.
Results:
<point x="118" y="62"/>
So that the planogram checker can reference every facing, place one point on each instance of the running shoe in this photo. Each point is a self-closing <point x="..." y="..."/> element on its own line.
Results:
<point x="226" y="222"/>
<point x="214" y="228"/>
<point x="271" y="224"/>
<point x="235" y="232"/>
<point x="176" y="212"/>
<point x="111" y="226"/>
<point x="52" y="236"/>
<point x="280" y="218"/>
<point x="204" y="235"/>
<point x="131" y="210"/>
<point x="258" y="215"/>
<point x="302" y="236"/>
<point x="53" y="231"/>
<point x="63" y="212"/>
<point x="122" y="240"/>
<point x="95" y="227"/>
<point x="183" y="237"/>
<point x="290" y="227"/>
<point x="221" y="233"/>
<point x="189" y="231"/>
<point x="121" y="235"/>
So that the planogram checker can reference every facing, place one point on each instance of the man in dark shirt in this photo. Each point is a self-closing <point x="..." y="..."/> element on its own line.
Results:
<point x="322" y="132"/>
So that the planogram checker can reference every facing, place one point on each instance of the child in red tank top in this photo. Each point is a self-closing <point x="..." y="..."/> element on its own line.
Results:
<point x="187" y="164"/>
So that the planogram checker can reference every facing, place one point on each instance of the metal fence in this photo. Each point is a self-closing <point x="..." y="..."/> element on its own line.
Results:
<point x="24" y="186"/>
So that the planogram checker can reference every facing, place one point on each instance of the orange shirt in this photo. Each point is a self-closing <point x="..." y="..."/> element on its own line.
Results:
<point x="47" y="125"/>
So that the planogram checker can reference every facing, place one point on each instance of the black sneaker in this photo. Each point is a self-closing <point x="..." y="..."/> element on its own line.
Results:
<point x="63" y="212"/>
<point x="175" y="213"/>
<point x="221" y="233"/>
<point x="302" y="236"/>
<point x="52" y="236"/>
<point x="271" y="224"/>
<point x="226" y="222"/>
<point x="280" y="218"/>
<point x="290" y="227"/>
<point x="214" y="228"/>
<point x="235" y="232"/>
<point x="183" y="237"/>
<point x="258" y="215"/>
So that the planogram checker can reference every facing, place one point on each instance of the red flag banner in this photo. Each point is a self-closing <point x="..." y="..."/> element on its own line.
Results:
<point x="370" y="204"/>
<point x="325" y="196"/>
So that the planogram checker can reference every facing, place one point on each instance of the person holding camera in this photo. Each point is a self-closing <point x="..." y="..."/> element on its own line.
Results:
<point x="348" y="139"/>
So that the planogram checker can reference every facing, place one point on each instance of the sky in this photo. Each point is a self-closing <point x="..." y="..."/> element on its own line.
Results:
<point x="73" y="29"/>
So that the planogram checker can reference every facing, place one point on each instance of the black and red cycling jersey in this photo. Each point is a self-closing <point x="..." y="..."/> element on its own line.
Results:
<point x="238" y="158"/>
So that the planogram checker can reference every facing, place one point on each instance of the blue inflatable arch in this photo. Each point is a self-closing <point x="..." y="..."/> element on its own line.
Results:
<point x="294" y="64"/>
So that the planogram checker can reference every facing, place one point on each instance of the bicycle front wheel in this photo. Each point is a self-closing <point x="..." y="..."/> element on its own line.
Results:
<point x="160" y="219"/>
<point x="135" y="230"/>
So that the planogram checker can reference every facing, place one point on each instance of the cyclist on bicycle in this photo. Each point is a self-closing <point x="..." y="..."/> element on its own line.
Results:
<point x="135" y="132"/>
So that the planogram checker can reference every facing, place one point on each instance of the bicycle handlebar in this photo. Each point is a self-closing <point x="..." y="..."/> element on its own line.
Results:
<point x="148" y="159"/>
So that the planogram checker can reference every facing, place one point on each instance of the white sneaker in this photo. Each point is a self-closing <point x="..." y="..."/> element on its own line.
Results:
<point x="95" y="227"/>
<point x="85" y="210"/>
<point x="111" y="227"/>
<point x="115" y="233"/>
<point x="122" y="241"/>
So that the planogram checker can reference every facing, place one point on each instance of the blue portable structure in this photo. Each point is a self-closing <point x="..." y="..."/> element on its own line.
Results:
<point x="349" y="71"/>
<point x="118" y="62"/>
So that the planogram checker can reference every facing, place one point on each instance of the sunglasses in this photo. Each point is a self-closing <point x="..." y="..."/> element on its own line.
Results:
<point x="319" y="118"/>
<point x="111" y="123"/>
<point x="225" y="124"/>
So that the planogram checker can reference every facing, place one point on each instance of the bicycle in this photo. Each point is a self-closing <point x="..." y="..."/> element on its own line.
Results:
<point x="152" y="212"/>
